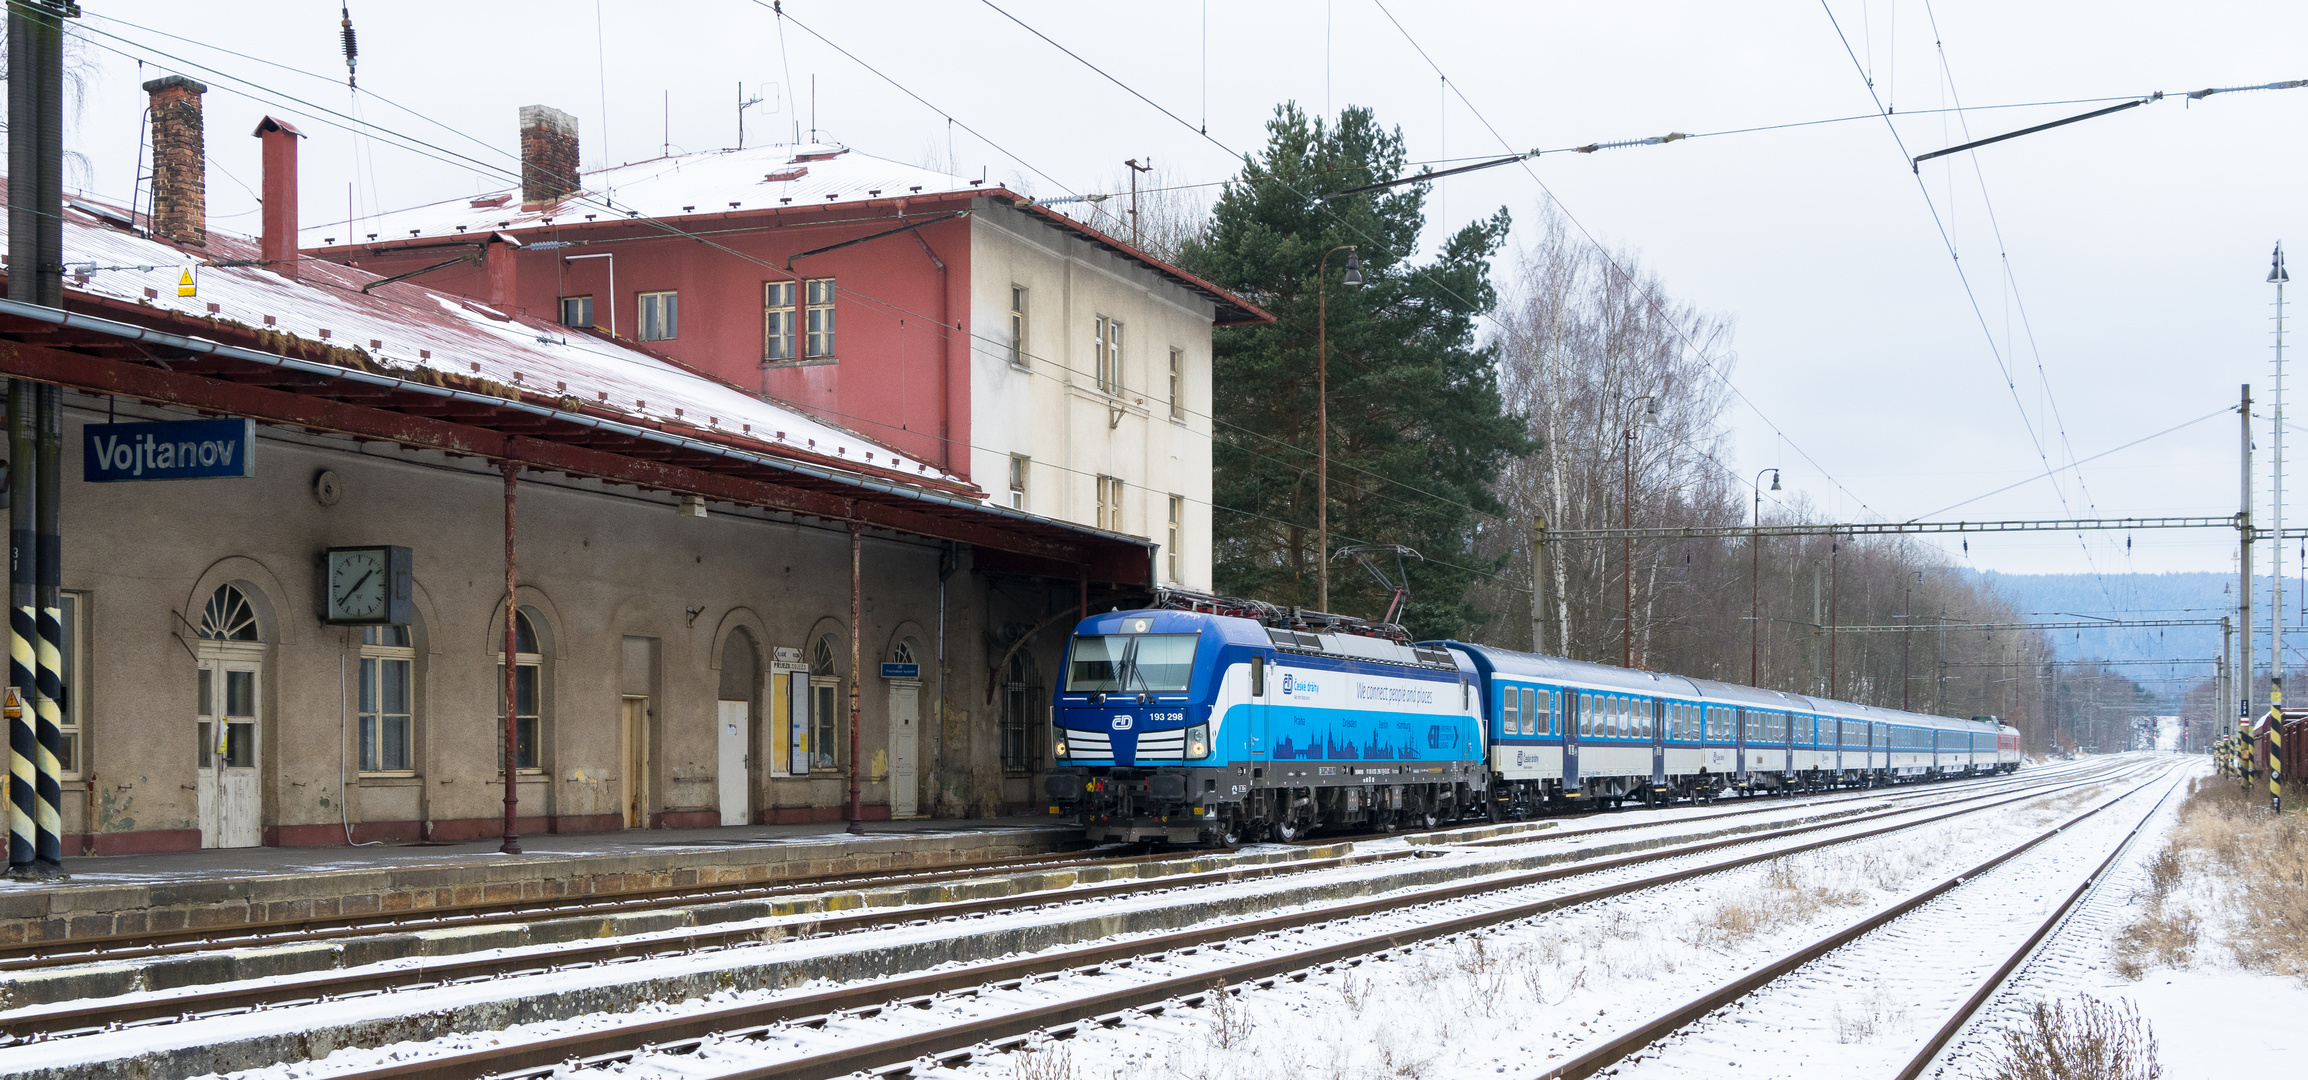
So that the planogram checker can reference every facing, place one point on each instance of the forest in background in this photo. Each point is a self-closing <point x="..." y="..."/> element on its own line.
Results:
<point x="1477" y="391"/>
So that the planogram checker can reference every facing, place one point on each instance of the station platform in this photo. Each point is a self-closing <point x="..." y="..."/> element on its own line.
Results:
<point x="111" y="895"/>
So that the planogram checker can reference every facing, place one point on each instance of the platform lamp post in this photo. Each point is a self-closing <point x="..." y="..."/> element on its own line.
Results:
<point x="2274" y="744"/>
<point x="1322" y="414"/>
<point x="1627" y="530"/>
<point x="1755" y="583"/>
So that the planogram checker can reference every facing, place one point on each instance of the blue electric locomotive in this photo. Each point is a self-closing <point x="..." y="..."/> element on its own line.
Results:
<point x="1202" y="725"/>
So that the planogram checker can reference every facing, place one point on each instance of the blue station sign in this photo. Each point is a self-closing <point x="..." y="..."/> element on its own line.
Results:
<point x="901" y="671"/>
<point x="170" y="450"/>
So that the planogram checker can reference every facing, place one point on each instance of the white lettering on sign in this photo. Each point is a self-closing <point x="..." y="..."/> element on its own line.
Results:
<point x="135" y="455"/>
<point x="1369" y="692"/>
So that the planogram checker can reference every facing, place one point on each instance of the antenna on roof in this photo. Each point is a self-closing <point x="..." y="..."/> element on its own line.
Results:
<point x="352" y="46"/>
<point x="743" y="103"/>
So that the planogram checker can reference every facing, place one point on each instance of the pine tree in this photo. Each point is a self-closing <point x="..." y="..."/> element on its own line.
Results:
<point x="1418" y="431"/>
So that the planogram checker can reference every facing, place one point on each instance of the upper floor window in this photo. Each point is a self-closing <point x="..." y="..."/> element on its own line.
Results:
<point x="387" y="673"/>
<point x="577" y="311"/>
<point x="1018" y="325"/>
<point x="817" y="298"/>
<point x="660" y="315"/>
<point x="777" y="321"/>
<point x="1021" y="468"/>
<point x="1106" y="352"/>
<point x="1177" y="384"/>
<point x="1177" y="549"/>
<point x="1110" y="503"/>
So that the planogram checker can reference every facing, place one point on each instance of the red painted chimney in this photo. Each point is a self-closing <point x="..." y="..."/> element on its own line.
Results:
<point x="548" y="156"/>
<point x="280" y="195"/>
<point x="179" y="160"/>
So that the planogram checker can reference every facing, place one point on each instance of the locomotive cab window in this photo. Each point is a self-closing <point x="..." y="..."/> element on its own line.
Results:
<point x="1131" y="663"/>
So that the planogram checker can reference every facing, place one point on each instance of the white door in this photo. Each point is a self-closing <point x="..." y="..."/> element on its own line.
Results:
<point x="905" y="741"/>
<point x="229" y="792"/>
<point x="736" y="758"/>
<point x="798" y="722"/>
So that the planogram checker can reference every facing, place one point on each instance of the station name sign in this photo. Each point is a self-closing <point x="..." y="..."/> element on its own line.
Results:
<point x="170" y="450"/>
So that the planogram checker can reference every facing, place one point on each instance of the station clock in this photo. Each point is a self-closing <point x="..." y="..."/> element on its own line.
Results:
<point x="367" y="586"/>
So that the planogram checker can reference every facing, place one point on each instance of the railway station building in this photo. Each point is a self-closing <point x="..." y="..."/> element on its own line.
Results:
<point x="711" y="549"/>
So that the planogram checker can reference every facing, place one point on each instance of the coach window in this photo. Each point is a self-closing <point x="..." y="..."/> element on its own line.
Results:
<point x="1510" y="711"/>
<point x="1547" y="708"/>
<point x="1530" y="711"/>
<point x="1586" y="715"/>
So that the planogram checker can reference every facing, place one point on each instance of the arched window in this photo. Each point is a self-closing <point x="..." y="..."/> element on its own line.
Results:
<point x="528" y="696"/>
<point x="824" y="703"/>
<point x="229" y="616"/>
<point x="388" y="681"/>
<point x="1023" y="701"/>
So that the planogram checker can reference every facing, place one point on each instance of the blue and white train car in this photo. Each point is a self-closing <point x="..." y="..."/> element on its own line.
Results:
<point x="1180" y="725"/>
<point x="1570" y="732"/>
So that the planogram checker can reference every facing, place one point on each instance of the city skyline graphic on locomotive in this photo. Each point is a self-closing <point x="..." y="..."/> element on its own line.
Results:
<point x="1214" y="720"/>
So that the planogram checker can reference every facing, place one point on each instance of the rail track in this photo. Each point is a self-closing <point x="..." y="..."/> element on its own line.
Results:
<point x="956" y="1041"/>
<point x="94" y="1015"/>
<point x="1648" y="1034"/>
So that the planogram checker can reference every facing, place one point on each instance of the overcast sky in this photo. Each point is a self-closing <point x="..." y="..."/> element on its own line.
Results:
<point x="2136" y="243"/>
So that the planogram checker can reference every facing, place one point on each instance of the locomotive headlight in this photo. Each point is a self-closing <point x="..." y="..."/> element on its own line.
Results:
<point x="1198" y="741"/>
<point x="1059" y="747"/>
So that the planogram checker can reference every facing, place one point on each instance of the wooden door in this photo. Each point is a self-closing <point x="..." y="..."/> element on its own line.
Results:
<point x="636" y="762"/>
<point x="229" y="790"/>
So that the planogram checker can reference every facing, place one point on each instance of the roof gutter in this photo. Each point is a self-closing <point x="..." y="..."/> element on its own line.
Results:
<point x="203" y="346"/>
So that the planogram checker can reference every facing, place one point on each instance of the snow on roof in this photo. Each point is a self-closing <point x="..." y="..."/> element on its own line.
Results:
<point x="707" y="182"/>
<point x="407" y="329"/>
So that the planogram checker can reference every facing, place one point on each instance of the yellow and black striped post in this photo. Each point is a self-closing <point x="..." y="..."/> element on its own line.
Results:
<point x="2276" y="761"/>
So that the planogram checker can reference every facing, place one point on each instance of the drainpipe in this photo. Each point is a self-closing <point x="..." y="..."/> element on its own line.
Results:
<point x="856" y="613"/>
<point x="512" y="845"/>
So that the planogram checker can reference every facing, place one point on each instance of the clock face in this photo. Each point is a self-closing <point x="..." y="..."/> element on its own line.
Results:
<point x="357" y="585"/>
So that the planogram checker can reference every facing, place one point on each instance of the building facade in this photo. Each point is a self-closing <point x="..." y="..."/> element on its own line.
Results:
<point x="1058" y="368"/>
<point x="725" y="608"/>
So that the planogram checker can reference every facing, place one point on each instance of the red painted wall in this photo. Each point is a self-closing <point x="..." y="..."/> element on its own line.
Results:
<point x="901" y="324"/>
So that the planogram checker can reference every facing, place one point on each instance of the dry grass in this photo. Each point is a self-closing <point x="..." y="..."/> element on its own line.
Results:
<point x="2088" y="1040"/>
<point x="2231" y="876"/>
<point x="1792" y="895"/>
<point x="1043" y="1059"/>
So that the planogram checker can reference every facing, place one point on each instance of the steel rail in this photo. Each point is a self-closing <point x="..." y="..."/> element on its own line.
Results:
<point x="1617" y="1049"/>
<point x="94" y="1015"/>
<point x="1987" y="990"/>
<point x="34" y="1022"/>
<point x="738" y="1020"/>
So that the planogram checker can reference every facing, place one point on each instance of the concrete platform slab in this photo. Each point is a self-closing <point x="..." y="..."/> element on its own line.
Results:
<point x="110" y="896"/>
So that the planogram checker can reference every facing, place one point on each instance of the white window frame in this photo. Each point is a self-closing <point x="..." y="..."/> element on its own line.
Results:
<point x="535" y="662"/>
<point x="660" y="315"/>
<point x="1021" y="476"/>
<point x="587" y="299"/>
<point x="1106" y="353"/>
<point x="1110" y="503"/>
<point x="825" y="705"/>
<point x="817" y="296"/>
<point x="1178" y="384"/>
<point x="72" y="718"/>
<point x="373" y="664"/>
<point x="1018" y="355"/>
<point x="1177" y="552"/>
<point x="779" y="322"/>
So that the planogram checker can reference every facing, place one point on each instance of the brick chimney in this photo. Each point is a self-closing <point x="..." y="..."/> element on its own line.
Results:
<point x="548" y="156"/>
<point x="279" y="245"/>
<point x="179" y="161"/>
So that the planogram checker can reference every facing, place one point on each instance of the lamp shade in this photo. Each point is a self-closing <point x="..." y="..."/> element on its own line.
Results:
<point x="1353" y="270"/>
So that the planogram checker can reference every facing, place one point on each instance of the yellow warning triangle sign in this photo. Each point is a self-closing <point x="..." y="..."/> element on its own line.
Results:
<point x="184" y="285"/>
